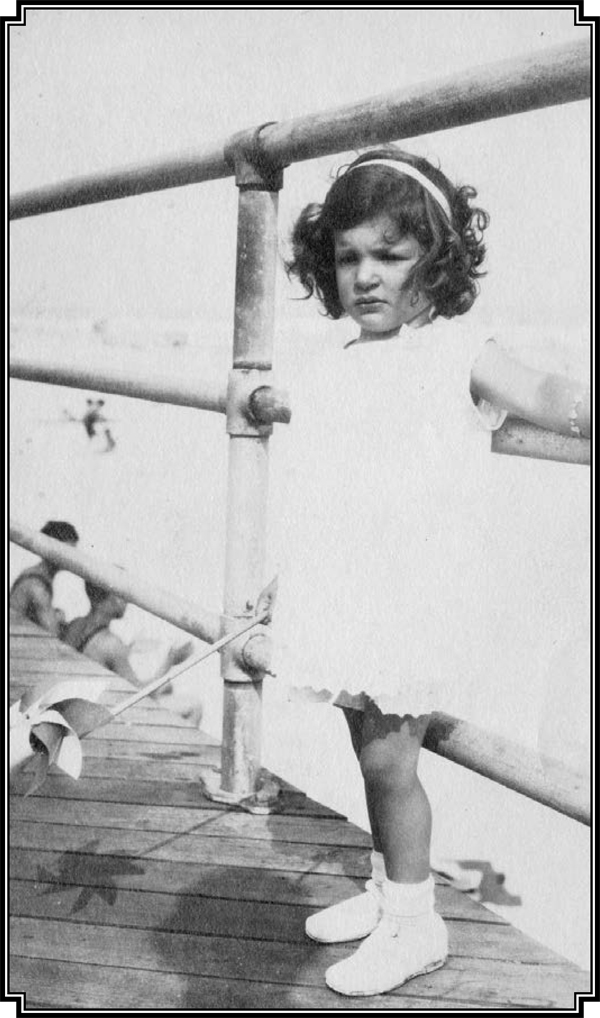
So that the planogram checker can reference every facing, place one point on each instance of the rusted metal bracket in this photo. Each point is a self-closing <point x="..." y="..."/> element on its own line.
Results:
<point x="254" y="171"/>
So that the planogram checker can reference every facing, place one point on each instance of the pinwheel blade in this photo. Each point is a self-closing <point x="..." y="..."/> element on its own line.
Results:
<point x="83" y="716"/>
<point x="70" y="756"/>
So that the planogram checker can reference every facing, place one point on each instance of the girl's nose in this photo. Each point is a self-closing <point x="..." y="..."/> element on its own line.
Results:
<point x="366" y="274"/>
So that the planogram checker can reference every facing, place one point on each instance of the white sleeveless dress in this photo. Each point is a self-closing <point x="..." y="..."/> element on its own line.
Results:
<point x="380" y="527"/>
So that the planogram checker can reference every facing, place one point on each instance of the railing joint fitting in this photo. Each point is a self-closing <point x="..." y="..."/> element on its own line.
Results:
<point x="254" y="170"/>
<point x="240" y="420"/>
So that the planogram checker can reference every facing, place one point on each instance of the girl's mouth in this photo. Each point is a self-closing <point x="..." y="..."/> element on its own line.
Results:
<point x="367" y="306"/>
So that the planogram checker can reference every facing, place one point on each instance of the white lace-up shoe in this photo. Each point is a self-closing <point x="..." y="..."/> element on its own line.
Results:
<point x="396" y="951"/>
<point x="348" y="920"/>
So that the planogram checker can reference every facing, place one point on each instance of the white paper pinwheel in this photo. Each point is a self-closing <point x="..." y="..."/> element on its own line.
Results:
<point x="47" y="726"/>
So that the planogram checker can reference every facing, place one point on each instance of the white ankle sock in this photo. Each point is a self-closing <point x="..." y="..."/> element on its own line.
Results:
<point x="377" y="869"/>
<point x="408" y="900"/>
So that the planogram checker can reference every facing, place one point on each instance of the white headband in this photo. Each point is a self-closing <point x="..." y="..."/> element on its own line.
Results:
<point x="410" y="171"/>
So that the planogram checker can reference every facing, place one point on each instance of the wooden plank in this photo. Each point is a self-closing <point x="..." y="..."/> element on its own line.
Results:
<point x="124" y="770"/>
<point x="225" y="851"/>
<point x="168" y="818"/>
<point x="315" y="890"/>
<point x="98" y="987"/>
<point x="156" y="792"/>
<point x="164" y="753"/>
<point x="197" y="914"/>
<point x="117" y="987"/>
<point x="255" y="960"/>
<point x="120" y="816"/>
<point x="123" y="753"/>
<point x="163" y="731"/>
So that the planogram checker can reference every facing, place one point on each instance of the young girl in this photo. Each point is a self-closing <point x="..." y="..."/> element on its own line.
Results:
<point x="392" y="555"/>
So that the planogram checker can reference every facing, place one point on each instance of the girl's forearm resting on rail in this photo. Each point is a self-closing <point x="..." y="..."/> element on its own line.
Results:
<point x="551" y="401"/>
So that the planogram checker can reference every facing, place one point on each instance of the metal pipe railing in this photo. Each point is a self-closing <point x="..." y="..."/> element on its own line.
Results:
<point x="264" y="404"/>
<point x="122" y="381"/>
<point x="248" y="469"/>
<point x="547" y="77"/>
<point x="507" y="763"/>
<point x="520" y="438"/>
<point x="205" y="625"/>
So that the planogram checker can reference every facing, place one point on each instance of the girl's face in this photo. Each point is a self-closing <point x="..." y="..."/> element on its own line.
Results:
<point x="373" y="262"/>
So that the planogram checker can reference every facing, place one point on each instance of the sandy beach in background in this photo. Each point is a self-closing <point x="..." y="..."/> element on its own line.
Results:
<point x="155" y="504"/>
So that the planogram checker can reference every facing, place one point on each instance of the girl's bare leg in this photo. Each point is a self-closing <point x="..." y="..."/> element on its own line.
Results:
<point x="410" y="937"/>
<point x="387" y="748"/>
<point x="355" y="720"/>
<point x="398" y="806"/>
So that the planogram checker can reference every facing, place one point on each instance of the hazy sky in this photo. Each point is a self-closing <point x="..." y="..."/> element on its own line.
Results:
<point x="93" y="89"/>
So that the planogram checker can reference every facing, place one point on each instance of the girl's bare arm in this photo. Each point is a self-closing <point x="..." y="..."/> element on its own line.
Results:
<point x="552" y="401"/>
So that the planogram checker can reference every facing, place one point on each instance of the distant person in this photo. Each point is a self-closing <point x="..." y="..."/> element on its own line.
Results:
<point x="110" y="442"/>
<point x="91" y="635"/>
<point x="93" y="416"/>
<point x="31" y="593"/>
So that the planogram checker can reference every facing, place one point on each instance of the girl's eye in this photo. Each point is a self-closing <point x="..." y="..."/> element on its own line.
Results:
<point x="345" y="259"/>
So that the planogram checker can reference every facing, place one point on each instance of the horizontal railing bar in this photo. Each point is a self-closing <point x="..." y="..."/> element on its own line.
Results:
<point x="202" y="624"/>
<point x="548" y="77"/>
<point x="137" y="382"/>
<point x="507" y="763"/>
<point x="520" y="438"/>
<point x="265" y="405"/>
<point x="190" y="167"/>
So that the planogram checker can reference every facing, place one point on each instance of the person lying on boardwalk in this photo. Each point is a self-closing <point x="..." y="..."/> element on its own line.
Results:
<point x="391" y="614"/>
<point x="32" y="592"/>
<point x="91" y="635"/>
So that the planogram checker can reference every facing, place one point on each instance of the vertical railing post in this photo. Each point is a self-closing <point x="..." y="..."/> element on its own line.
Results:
<point x="248" y="458"/>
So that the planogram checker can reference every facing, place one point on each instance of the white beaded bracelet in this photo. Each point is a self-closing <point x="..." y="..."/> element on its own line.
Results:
<point x="573" y="417"/>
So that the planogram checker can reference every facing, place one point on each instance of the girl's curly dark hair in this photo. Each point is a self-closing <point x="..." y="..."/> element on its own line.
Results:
<point x="453" y="249"/>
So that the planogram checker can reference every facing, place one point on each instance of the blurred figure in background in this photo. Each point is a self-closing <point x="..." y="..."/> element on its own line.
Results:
<point x="93" y="416"/>
<point x="32" y="592"/>
<point x="91" y="635"/>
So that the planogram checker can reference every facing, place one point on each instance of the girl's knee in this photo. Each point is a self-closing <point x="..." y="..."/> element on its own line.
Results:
<point x="386" y="768"/>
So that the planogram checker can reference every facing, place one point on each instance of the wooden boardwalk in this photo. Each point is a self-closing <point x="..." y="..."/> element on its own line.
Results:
<point x="130" y="890"/>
